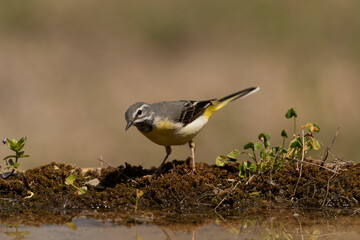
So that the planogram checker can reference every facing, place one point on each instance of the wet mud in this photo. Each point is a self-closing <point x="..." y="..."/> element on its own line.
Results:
<point x="176" y="190"/>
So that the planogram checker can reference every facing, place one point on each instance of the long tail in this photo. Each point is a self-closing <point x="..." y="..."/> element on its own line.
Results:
<point x="220" y="103"/>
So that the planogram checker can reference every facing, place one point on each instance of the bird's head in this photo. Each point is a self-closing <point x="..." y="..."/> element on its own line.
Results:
<point x="140" y="115"/>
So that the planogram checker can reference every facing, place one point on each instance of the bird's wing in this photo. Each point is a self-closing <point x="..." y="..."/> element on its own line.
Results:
<point x="192" y="110"/>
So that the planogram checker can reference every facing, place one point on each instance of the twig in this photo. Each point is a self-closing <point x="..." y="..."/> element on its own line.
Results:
<point x="302" y="160"/>
<point x="327" y="149"/>
<point x="222" y="200"/>
<point x="356" y="211"/>
<point x="327" y="189"/>
<point x="325" y="156"/>
<point x="251" y="178"/>
<point x="103" y="161"/>
<point x="333" y="141"/>
<point x="294" y="159"/>
<point x="333" y="155"/>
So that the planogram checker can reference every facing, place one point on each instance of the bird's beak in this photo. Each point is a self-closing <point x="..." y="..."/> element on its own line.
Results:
<point x="129" y="124"/>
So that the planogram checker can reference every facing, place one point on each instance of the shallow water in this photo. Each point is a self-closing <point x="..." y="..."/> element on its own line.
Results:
<point x="258" y="224"/>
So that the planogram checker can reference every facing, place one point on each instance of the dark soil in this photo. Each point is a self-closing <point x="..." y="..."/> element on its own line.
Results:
<point x="177" y="197"/>
<point x="177" y="190"/>
<point x="211" y="190"/>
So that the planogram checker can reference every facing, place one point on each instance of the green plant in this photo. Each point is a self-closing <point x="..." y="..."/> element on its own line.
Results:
<point x="139" y="193"/>
<point x="267" y="158"/>
<point x="12" y="161"/>
<point x="292" y="113"/>
<point x="254" y="147"/>
<point x="70" y="180"/>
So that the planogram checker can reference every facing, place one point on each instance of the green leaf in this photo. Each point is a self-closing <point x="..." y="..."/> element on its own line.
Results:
<point x="265" y="136"/>
<point x="11" y="162"/>
<point x="315" y="144"/>
<point x="234" y="230"/>
<point x="242" y="170"/>
<point x="16" y="165"/>
<point x="139" y="193"/>
<point x="82" y="190"/>
<point x="71" y="225"/>
<point x="249" y="145"/>
<point x="241" y="167"/>
<point x="10" y="156"/>
<point x="24" y="156"/>
<point x="12" y="146"/>
<point x="246" y="164"/>
<point x="71" y="179"/>
<point x="221" y="161"/>
<point x="291" y="113"/>
<point x="234" y="154"/>
<point x="295" y="143"/>
<point x="11" y="234"/>
<point x="257" y="146"/>
<point x="253" y="168"/>
<point x="263" y="154"/>
<point x="284" y="133"/>
<point x="23" y="234"/>
<point x="317" y="127"/>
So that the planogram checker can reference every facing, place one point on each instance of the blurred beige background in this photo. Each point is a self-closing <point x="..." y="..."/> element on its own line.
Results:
<point x="70" y="69"/>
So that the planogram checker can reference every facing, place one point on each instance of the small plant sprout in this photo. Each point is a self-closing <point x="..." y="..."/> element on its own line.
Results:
<point x="311" y="142"/>
<point x="233" y="155"/>
<point x="70" y="180"/>
<point x="247" y="169"/>
<point x="12" y="160"/>
<point x="222" y="159"/>
<point x="292" y="113"/>
<point x="139" y="193"/>
<point x="273" y="158"/>
<point x="284" y="135"/>
<point x="264" y="138"/>
<point x="254" y="147"/>
<point x="31" y="194"/>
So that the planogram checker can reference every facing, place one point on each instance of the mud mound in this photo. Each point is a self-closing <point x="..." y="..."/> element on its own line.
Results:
<point x="175" y="190"/>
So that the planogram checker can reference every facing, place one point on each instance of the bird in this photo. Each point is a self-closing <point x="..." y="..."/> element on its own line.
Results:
<point x="171" y="123"/>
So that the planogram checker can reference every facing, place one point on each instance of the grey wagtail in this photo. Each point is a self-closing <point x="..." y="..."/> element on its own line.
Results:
<point x="177" y="122"/>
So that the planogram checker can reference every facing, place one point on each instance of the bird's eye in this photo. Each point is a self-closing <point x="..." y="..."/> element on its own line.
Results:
<point x="139" y="112"/>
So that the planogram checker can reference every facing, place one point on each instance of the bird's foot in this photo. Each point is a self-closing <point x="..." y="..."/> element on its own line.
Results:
<point x="192" y="172"/>
<point x="191" y="163"/>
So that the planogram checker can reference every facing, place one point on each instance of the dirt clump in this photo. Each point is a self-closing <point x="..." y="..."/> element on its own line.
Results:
<point x="175" y="190"/>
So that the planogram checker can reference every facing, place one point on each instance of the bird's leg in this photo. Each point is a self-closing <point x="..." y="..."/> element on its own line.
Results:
<point x="168" y="151"/>
<point x="192" y="148"/>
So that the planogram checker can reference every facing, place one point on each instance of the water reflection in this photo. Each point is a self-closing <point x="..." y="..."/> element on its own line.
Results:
<point x="13" y="232"/>
<point x="285" y="224"/>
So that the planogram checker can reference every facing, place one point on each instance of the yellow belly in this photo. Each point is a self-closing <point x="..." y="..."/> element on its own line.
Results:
<point x="167" y="133"/>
